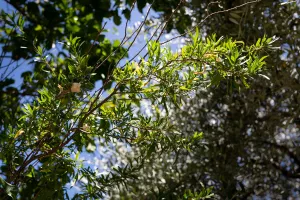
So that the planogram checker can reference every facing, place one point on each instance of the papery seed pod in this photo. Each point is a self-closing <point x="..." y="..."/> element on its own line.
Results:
<point x="75" y="87"/>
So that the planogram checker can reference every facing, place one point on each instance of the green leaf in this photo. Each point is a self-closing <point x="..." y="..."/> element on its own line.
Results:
<point x="117" y="19"/>
<point x="151" y="149"/>
<point x="116" y="43"/>
<point x="234" y="21"/>
<point x="38" y="28"/>
<point x="9" y="189"/>
<point x="258" y="42"/>
<point x="234" y="15"/>
<point x="126" y="13"/>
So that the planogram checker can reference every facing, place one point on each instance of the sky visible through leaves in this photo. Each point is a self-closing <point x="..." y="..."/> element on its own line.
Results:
<point x="96" y="160"/>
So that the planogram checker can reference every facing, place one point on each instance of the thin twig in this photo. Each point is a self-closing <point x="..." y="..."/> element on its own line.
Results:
<point x="124" y="40"/>
<point x="96" y="38"/>
<point x="161" y="32"/>
<point x="140" y="28"/>
<point x="214" y="13"/>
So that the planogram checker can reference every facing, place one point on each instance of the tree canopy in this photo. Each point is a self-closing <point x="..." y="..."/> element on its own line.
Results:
<point x="59" y="112"/>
